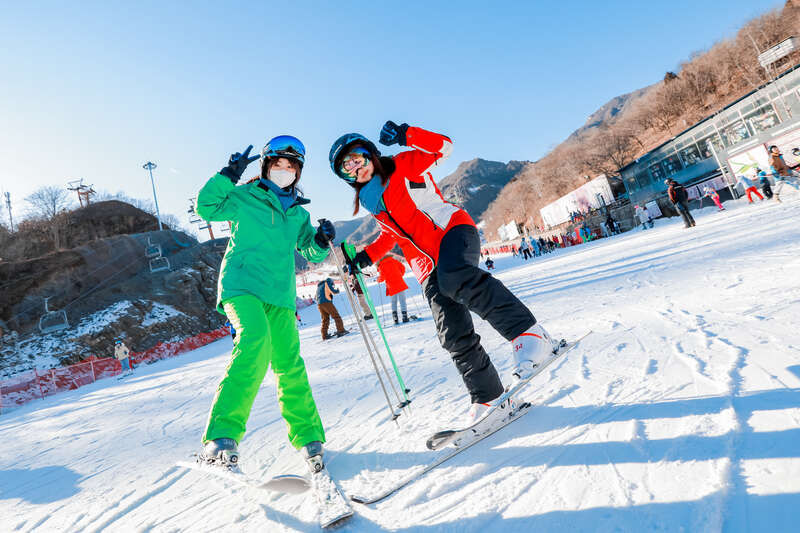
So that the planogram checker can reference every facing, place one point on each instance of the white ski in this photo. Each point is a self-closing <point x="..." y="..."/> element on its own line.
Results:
<point x="333" y="507"/>
<point x="441" y="438"/>
<point x="464" y="445"/>
<point x="466" y="438"/>
<point x="286" y="483"/>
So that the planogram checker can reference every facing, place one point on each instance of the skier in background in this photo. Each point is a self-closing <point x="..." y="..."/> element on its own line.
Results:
<point x="391" y="273"/>
<point x="123" y="354"/>
<point x="442" y="245"/>
<point x="356" y="287"/>
<point x="749" y="188"/>
<point x="325" y="292"/>
<point x="781" y="172"/>
<point x="642" y="215"/>
<point x="711" y="193"/>
<point x="257" y="292"/>
<point x="524" y="250"/>
<point x="679" y="198"/>
<point x="763" y="179"/>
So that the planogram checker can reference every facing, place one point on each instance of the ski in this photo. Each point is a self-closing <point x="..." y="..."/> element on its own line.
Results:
<point x="441" y="438"/>
<point x="333" y="507"/>
<point x="445" y="456"/>
<point x="285" y="483"/>
<point x="465" y="439"/>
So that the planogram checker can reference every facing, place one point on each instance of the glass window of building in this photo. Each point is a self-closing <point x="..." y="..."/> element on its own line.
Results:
<point x="690" y="155"/>
<point x="763" y="118"/>
<point x="671" y="165"/>
<point x="656" y="172"/>
<point x="705" y="146"/>
<point x="643" y="179"/>
<point x="735" y="133"/>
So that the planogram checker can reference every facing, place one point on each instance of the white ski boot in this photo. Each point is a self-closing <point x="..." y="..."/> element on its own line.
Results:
<point x="220" y="452"/>
<point x="312" y="453"/>
<point x="532" y="348"/>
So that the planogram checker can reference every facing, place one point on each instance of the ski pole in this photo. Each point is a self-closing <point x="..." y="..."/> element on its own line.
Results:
<point x="385" y="342"/>
<point x="364" y="334"/>
<point x="380" y="295"/>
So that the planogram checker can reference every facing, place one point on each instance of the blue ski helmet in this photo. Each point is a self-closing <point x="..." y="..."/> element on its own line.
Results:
<point x="285" y="146"/>
<point x="338" y="148"/>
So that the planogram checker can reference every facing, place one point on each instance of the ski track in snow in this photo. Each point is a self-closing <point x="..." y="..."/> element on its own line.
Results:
<point x="681" y="412"/>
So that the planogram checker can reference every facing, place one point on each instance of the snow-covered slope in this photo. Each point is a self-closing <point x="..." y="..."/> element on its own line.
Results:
<point x="680" y="413"/>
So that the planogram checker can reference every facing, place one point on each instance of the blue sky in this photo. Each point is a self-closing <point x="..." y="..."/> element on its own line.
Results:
<point x="94" y="90"/>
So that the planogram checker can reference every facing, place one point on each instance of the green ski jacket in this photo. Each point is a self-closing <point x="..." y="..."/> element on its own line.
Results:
<point x="259" y="259"/>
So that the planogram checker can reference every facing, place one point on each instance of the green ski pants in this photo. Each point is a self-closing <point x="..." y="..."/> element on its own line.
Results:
<point x="264" y="334"/>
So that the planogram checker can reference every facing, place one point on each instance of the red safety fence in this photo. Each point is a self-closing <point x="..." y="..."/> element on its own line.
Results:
<point x="27" y="386"/>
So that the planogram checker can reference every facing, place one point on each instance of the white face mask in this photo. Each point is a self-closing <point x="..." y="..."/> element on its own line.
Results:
<point x="282" y="178"/>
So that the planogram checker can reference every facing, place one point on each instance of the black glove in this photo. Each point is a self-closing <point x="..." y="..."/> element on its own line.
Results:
<point x="391" y="134"/>
<point x="326" y="232"/>
<point x="357" y="262"/>
<point x="237" y="165"/>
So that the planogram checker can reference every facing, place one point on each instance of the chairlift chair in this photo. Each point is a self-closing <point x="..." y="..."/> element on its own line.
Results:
<point x="152" y="250"/>
<point x="158" y="264"/>
<point x="52" y="321"/>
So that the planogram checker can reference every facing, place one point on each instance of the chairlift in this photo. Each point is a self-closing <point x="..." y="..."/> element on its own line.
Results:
<point x="52" y="321"/>
<point x="158" y="264"/>
<point x="152" y="250"/>
<point x="194" y="219"/>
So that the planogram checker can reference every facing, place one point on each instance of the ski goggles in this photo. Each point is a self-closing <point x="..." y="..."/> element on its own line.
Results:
<point x="285" y="146"/>
<point x="356" y="159"/>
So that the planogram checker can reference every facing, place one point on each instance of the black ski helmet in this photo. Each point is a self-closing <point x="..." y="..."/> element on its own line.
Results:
<point x="339" y="149"/>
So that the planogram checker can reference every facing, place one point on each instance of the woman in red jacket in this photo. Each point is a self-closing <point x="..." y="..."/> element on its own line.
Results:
<point x="441" y="244"/>
<point x="390" y="271"/>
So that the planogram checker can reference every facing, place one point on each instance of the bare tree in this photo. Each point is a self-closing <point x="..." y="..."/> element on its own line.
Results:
<point x="46" y="202"/>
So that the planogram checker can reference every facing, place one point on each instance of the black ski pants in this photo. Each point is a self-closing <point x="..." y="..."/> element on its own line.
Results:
<point x="457" y="286"/>
<point x="683" y="209"/>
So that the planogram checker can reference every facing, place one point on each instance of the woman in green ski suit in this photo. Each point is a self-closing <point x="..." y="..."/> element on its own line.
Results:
<point x="257" y="293"/>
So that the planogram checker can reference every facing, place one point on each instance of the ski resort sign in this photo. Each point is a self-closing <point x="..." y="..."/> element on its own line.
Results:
<point x="780" y="50"/>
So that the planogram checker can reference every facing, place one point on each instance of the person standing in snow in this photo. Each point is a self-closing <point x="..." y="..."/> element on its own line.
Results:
<point x="524" y="250"/>
<point x="642" y="215"/>
<point x="708" y="192"/>
<point x="749" y="188"/>
<point x="356" y="287"/>
<point x="679" y="198"/>
<point x="123" y="354"/>
<point x="325" y="292"/>
<point x="781" y="172"/>
<point x="256" y="291"/>
<point x="763" y="180"/>
<point x="441" y="244"/>
<point x="391" y="271"/>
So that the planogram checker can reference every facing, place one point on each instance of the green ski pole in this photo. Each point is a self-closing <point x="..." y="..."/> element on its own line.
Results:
<point x="349" y="250"/>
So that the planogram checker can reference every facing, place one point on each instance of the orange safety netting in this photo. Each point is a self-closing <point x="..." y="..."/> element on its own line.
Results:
<point x="27" y="386"/>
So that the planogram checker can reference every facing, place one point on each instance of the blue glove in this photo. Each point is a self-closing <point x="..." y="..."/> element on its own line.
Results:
<point x="237" y="165"/>
<point x="326" y="232"/>
<point x="391" y="134"/>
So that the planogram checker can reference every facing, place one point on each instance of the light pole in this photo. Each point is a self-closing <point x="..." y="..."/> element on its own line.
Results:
<point x="149" y="166"/>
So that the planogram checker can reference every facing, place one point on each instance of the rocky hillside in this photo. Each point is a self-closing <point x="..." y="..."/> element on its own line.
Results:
<point x="100" y="276"/>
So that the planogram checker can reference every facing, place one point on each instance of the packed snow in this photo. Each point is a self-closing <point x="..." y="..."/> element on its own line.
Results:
<point x="680" y="412"/>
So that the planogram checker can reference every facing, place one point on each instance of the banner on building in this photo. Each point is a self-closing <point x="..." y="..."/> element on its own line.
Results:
<point x="592" y="195"/>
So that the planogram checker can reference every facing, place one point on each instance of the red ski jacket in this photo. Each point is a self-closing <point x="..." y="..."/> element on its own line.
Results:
<point x="417" y="216"/>
<point x="391" y="272"/>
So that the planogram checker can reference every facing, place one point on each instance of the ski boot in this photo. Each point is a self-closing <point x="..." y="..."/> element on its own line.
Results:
<point x="405" y="317"/>
<point x="394" y="317"/>
<point x="312" y="453"/>
<point x="531" y="349"/>
<point x="341" y="333"/>
<point x="220" y="452"/>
